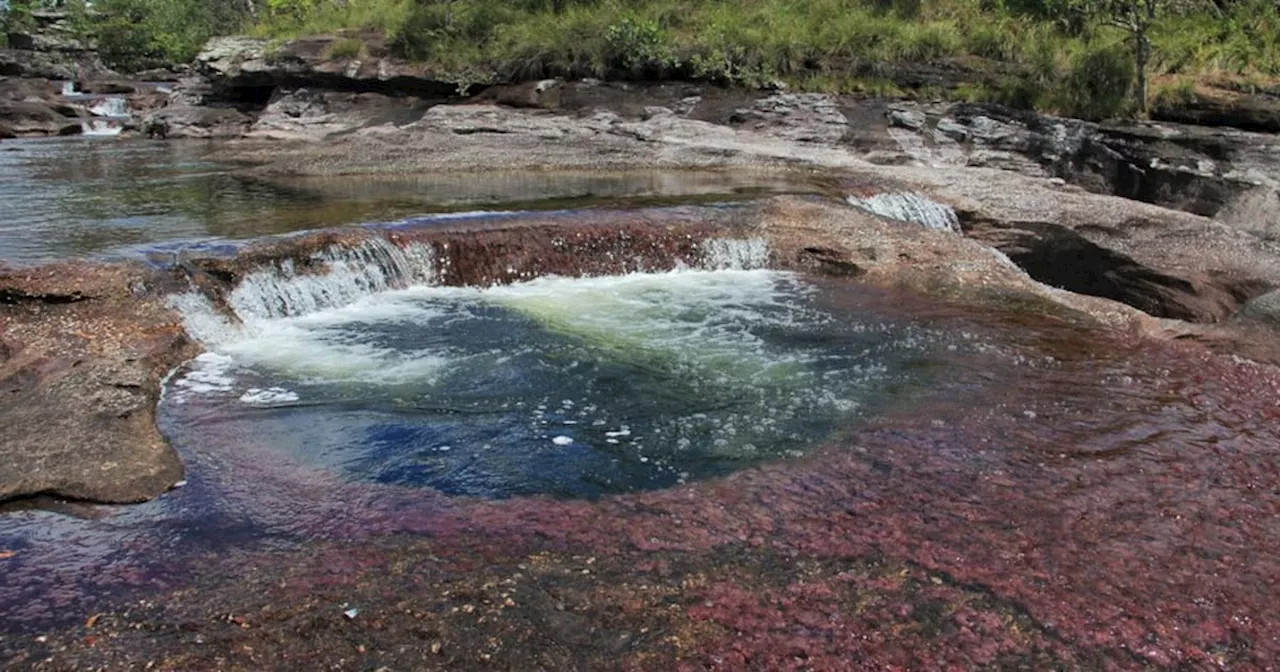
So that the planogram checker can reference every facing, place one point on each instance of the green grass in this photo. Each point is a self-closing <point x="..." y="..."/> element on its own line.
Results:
<point x="1013" y="51"/>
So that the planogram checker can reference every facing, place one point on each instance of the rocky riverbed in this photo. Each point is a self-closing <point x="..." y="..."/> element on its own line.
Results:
<point x="1114" y="513"/>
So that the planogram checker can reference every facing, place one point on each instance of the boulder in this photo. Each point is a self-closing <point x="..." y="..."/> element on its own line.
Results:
<point x="186" y="121"/>
<point x="84" y="348"/>
<point x="799" y="117"/>
<point x="1249" y="112"/>
<point x="308" y="114"/>
<point x="1190" y="168"/>
<point x="35" y="64"/>
<point x="31" y="117"/>
<point x="242" y="68"/>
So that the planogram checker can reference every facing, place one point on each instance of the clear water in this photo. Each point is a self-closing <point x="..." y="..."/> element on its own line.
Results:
<point x="570" y="387"/>
<point x="109" y="196"/>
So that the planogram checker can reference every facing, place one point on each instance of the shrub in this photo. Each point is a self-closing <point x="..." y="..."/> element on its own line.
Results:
<point x="346" y="48"/>
<point x="638" y="49"/>
<point x="1098" y="84"/>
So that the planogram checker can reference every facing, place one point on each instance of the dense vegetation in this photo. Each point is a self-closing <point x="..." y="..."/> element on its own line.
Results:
<point x="1074" y="56"/>
<point x="137" y="34"/>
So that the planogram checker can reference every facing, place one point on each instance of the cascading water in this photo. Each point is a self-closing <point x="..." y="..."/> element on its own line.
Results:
<point x="909" y="207"/>
<point x="110" y="116"/>
<point x="570" y="386"/>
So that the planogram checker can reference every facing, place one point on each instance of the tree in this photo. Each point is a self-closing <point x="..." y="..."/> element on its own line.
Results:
<point x="1135" y="17"/>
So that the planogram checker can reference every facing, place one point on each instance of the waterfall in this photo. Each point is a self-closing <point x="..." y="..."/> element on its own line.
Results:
<point x="344" y="274"/>
<point x="373" y="266"/>
<point x="281" y="290"/>
<point x="68" y="88"/>
<point x="111" y="107"/>
<point x="720" y="254"/>
<point x="909" y="207"/>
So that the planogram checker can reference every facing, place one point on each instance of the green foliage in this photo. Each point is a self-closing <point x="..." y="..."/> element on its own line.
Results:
<point x="138" y="34"/>
<point x="1098" y="83"/>
<point x="638" y="48"/>
<point x="1175" y="94"/>
<point x="346" y="48"/>
<point x="1063" y="55"/>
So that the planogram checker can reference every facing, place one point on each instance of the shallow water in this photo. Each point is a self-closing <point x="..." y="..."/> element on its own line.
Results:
<point x="108" y="197"/>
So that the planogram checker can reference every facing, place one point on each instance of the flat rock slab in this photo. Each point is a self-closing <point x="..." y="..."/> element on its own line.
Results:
<point x="83" y="350"/>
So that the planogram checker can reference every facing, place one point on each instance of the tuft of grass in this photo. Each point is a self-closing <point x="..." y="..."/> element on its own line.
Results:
<point x="346" y="48"/>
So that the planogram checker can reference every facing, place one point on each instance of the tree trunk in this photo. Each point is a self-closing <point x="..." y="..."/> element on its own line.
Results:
<point x="1144" y="55"/>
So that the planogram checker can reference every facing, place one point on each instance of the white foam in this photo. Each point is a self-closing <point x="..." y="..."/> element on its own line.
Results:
<point x="209" y="373"/>
<point x="562" y="440"/>
<point x="910" y="207"/>
<point x="373" y="266"/>
<point x="101" y="128"/>
<point x="268" y="397"/>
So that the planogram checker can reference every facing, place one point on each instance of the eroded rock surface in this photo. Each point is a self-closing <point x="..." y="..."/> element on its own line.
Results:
<point x="82" y="351"/>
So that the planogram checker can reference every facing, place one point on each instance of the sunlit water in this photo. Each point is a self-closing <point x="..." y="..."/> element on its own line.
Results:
<point x="110" y="197"/>
<point x="573" y="387"/>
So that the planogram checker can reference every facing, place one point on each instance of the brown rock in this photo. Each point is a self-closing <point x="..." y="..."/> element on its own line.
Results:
<point x="36" y="118"/>
<point x="77" y="399"/>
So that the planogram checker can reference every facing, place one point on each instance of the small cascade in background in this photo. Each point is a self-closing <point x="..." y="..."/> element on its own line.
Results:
<point x="110" y="115"/>
<point x="68" y="88"/>
<point x="910" y="207"/>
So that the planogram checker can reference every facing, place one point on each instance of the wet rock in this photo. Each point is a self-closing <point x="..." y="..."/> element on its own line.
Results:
<point x="107" y="87"/>
<point x="77" y="400"/>
<point x="31" y="117"/>
<point x="6" y="132"/>
<point x="544" y="94"/>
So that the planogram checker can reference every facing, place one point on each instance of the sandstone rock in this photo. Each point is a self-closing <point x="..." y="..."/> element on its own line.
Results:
<point x="1265" y="308"/>
<point x="799" y="117"/>
<point x="179" y="121"/>
<point x="312" y="115"/>
<point x="38" y="118"/>
<point x="234" y="65"/>
<point x="77" y="398"/>
<point x="34" y="64"/>
<point x="1249" y="112"/>
<point x="909" y="119"/>
<point x="1194" y="169"/>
